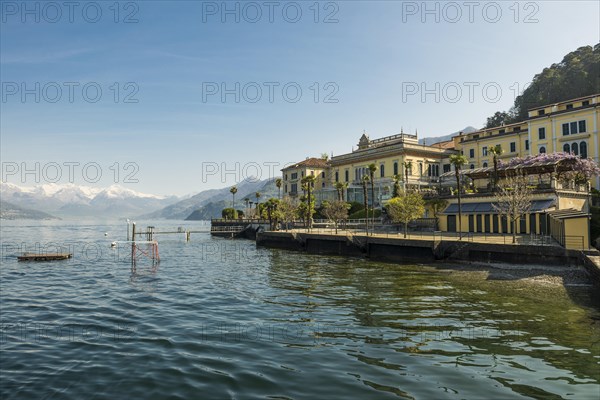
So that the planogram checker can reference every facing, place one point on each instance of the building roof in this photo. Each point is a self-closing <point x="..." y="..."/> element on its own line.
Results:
<point x="312" y="162"/>
<point x="447" y="144"/>
<point x="564" y="102"/>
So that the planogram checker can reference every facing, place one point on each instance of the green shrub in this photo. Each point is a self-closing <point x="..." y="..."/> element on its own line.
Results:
<point x="361" y="214"/>
<point x="229" y="213"/>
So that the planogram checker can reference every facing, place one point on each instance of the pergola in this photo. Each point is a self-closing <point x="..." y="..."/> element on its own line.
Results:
<point x="505" y="170"/>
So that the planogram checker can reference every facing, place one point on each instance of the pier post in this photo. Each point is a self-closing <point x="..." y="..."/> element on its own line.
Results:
<point x="133" y="247"/>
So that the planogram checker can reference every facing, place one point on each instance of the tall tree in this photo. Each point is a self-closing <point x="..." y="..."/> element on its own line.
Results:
<point x="396" y="190"/>
<point x="496" y="152"/>
<point x="365" y="181"/>
<point x="257" y="195"/>
<point x="339" y="187"/>
<point x="458" y="160"/>
<point x="309" y="181"/>
<point x="278" y="183"/>
<point x="372" y="169"/>
<point x="407" y="168"/>
<point x="405" y="208"/>
<point x="233" y="191"/>
<point x="514" y="201"/>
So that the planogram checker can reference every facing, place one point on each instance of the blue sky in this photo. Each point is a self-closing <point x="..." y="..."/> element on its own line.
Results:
<point x="178" y="131"/>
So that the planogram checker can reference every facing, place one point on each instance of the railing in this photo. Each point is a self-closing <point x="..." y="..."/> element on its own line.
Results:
<point x="240" y="221"/>
<point x="479" y="237"/>
<point x="232" y="228"/>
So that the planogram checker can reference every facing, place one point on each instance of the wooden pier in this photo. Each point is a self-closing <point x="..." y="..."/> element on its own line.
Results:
<point x="44" y="256"/>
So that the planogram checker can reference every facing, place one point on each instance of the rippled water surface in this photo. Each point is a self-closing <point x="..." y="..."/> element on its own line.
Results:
<point x="221" y="319"/>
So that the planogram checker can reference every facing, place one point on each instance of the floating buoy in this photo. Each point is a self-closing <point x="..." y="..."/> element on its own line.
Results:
<point x="105" y="233"/>
<point x="113" y="244"/>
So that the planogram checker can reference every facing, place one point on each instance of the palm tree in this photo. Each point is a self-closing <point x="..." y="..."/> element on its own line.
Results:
<point x="308" y="181"/>
<point x="458" y="160"/>
<point x="233" y="191"/>
<point x="496" y="151"/>
<point x="339" y="186"/>
<point x="396" y="191"/>
<point x="372" y="169"/>
<point x="278" y="183"/>
<point x="407" y="167"/>
<point x="365" y="180"/>
<point x="257" y="195"/>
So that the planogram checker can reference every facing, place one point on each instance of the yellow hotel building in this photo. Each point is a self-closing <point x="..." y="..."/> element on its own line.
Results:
<point x="559" y="209"/>
<point x="570" y="126"/>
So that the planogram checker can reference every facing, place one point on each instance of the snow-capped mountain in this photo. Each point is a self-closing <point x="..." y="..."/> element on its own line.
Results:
<point x="67" y="200"/>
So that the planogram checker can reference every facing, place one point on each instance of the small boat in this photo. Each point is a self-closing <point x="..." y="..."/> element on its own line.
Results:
<point x="44" y="256"/>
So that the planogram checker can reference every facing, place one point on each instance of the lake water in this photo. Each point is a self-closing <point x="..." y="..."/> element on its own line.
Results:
<point x="222" y="319"/>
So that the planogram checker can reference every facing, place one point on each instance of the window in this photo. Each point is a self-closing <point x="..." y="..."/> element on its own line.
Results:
<point x="472" y="153"/>
<point x="541" y="112"/>
<point x="472" y="166"/>
<point x="517" y="129"/>
<point x="302" y="174"/>
<point x="347" y="176"/>
<point x="382" y="170"/>
<point x="575" y="149"/>
<point x="582" y="126"/>
<point x="285" y="189"/>
<point x="567" y="148"/>
<point x="294" y="188"/>
<point x="286" y="177"/>
<point x="323" y="174"/>
<point x="323" y="184"/>
<point x="542" y="150"/>
<point x="501" y="131"/>
<point x="569" y="106"/>
<point x="526" y="144"/>
<point x="573" y="128"/>
<point x="583" y="149"/>
<point x="513" y="147"/>
<point x="585" y="103"/>
<point x="295" y="175"/>
<point x="337" y="176"/>
<point x="484" y="151"/>
<point x="395" y="167"/>
<point x="485" y="165"/>
<point x="446" y="168"/>
<point x="541" y="133"/>
<point x="420" y="169"/>
<point x="565" y="129"/>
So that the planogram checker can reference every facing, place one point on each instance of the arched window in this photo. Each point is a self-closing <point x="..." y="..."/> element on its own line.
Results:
<point x="575" y="149"/>
<point x="420" y="169"/>
<point x="472" y="166"/>
<point x="583" y="149"/>
<point x="485" y="165"/>
<point x="382" y="170"/>
<point x="429" y="170"/>
<point x="567" y="148"/>
<point x="542" y="150"/>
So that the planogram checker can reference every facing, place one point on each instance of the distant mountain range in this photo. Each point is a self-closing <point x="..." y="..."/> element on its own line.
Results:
<point x="69" y="200"/>
<point x="431" y="140"/>
<point x="12" y="211"/>
<point x="209" y="203"/>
